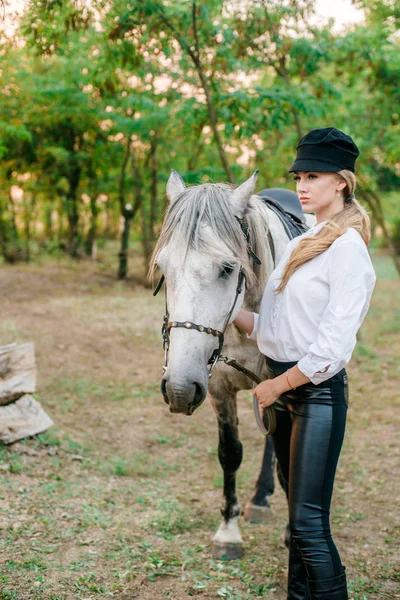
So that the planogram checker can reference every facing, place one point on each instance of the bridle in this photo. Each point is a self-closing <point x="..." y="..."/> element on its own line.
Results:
<point x="217" y="356"/>
<point x="168" y="325"/>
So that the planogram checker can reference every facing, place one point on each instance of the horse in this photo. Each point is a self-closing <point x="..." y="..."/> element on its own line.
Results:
<point x="213" y="239"/>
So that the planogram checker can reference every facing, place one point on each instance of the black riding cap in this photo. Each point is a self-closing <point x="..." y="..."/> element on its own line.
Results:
<point x="325" y="150"/>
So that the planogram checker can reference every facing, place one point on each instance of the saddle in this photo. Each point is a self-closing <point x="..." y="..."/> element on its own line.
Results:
<point x="286" y="205"/>
<point x="287" y="200"/>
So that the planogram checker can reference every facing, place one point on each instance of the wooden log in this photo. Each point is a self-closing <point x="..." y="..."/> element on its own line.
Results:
<point x="21" y="419"/>
<point x="17" y="372"/>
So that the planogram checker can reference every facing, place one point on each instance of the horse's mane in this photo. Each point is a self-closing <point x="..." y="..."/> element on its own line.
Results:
<point x="202" y="218"/>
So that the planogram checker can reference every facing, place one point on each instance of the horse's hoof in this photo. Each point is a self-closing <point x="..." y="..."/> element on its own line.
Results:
<point x="257" y="514"/>
<point x="227" y="551"/>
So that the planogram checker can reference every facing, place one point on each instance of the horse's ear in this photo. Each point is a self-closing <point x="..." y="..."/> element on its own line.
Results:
<point x="243" y="193"/>
<point x="175" y="186"/>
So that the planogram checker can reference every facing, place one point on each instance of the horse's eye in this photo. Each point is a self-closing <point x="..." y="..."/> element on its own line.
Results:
<point x="226" y="271"/>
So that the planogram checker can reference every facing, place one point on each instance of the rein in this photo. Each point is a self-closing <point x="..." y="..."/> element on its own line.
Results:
<point x="217" y="353"/>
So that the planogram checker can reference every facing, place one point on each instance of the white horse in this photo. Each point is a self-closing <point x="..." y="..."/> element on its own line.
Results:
<point x="202" y="252"/>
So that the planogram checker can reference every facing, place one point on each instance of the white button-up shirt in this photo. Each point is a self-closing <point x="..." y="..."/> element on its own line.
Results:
<point x="316" y="318"/>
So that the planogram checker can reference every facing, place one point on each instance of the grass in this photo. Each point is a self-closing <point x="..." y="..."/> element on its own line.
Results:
<point x="120" y="499"/>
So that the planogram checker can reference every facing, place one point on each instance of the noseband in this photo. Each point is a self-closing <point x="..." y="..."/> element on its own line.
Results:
<point x="217" y="353"/>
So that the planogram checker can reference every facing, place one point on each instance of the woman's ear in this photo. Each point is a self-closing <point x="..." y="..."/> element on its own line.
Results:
<point x="341" y="184"/>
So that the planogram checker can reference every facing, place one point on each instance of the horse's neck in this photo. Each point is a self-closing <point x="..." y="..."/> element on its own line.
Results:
<point x="264" y="219"/>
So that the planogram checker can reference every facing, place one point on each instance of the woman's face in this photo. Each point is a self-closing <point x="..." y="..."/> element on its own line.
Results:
<point x="320" y="193"/>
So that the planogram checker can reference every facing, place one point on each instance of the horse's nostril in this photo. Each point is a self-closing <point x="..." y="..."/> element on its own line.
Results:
<point x="198" y="396"/>
<point x="197" y="400"/>
<point x="164" y="390"/>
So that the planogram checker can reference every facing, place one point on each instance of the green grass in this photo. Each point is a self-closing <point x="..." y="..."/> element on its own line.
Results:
<point x="120" y="499"/>
<point x="384" y="266"/>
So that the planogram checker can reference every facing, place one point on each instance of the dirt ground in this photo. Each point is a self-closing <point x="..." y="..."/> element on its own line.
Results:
<point x="120" y="498"/>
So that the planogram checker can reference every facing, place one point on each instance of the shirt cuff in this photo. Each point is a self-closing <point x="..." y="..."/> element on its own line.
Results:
<point x="317" y="373"/>
<point x="253" y="335"/>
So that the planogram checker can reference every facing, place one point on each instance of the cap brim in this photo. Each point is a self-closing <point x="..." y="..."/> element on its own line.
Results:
<point x="313" y="164"/>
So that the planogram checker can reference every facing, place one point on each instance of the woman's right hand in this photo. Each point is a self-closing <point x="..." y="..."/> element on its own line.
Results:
<point x="244" y="321"/>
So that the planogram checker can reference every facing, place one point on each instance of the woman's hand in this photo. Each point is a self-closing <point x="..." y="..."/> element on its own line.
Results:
<point x="244" y="321"/>
<point x="267" y="392"/>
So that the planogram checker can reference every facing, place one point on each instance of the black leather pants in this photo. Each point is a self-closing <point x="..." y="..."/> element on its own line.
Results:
<point x="308" y="439"/>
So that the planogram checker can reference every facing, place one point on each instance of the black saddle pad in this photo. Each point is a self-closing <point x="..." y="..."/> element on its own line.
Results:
<point x="287" y="199"/>
<point x="286" y="205"/>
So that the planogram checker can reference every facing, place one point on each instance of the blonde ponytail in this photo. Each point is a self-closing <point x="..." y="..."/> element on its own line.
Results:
<point x="352" y="215"/>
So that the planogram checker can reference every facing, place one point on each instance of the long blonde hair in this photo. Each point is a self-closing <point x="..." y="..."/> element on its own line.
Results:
<point x="352" y="215"/>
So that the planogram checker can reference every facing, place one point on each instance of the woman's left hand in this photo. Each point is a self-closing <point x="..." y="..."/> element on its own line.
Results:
<point x="266" y="393"/>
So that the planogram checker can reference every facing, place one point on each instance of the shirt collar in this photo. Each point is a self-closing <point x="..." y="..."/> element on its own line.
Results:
<point x="317" y="227"/>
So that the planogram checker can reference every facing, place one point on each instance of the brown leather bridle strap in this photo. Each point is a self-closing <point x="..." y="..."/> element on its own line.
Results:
<point x="201" y="328"/>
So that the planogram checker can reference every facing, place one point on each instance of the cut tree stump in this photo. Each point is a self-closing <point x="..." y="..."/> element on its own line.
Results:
<point x="17" y="372"/>
<point x="21" y="415"/>
<point x="21" y="419"/>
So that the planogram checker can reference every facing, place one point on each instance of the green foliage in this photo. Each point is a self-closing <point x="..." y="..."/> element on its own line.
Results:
<point x="107" y="98"/>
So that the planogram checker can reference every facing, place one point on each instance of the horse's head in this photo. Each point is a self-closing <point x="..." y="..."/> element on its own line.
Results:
<point x="201" y="251"/>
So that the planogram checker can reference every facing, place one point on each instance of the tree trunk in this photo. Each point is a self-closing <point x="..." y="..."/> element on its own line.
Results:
<point x="127" y="214"/>
<point x="27" y="235"/>
<point x="123" y="254"/>
<point x="153" y="187"/>
<point x="29" y="211"/>
<point x="90" y="243"/>
<point x="92" y="233"/>
<point x="194" y="156"/>
<point x="74" y="175"/>
<point x="6" y="238"/>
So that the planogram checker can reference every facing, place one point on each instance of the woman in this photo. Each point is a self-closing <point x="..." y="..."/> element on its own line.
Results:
<point x="312" y="308"/>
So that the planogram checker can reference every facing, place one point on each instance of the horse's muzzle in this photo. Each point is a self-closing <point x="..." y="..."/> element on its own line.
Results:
<point x="183" y="400"/>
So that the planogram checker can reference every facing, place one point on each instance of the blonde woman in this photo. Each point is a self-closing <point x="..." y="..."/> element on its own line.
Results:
<point x="312" y="308"/>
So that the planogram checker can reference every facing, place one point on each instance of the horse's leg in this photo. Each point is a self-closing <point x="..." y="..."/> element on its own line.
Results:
<point x="258" y="510"/>
<point x="228" y="543"/>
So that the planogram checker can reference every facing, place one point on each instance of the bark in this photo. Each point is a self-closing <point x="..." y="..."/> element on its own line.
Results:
<point x="74" y="175"/>
<point x="92" y="233"/>
<point x="146" y="237"/>
<point x="138" y="186"/>
<point x="17" y="372"/>
<point x="13" y="225"/>
<point x="123" y="253"/>
<point x="128" y="211"/>
<point x="90" y="244"/>
<point x="153" y="187"/>
<point x="8" y="246"/>
<point x="21" y="419"/>
<point x="20" y="415"/>
<point x="30" y="203"/>
<point x="3" y="231"/>
<point x="28" y="214"/>
<point x="48" y="221"/>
